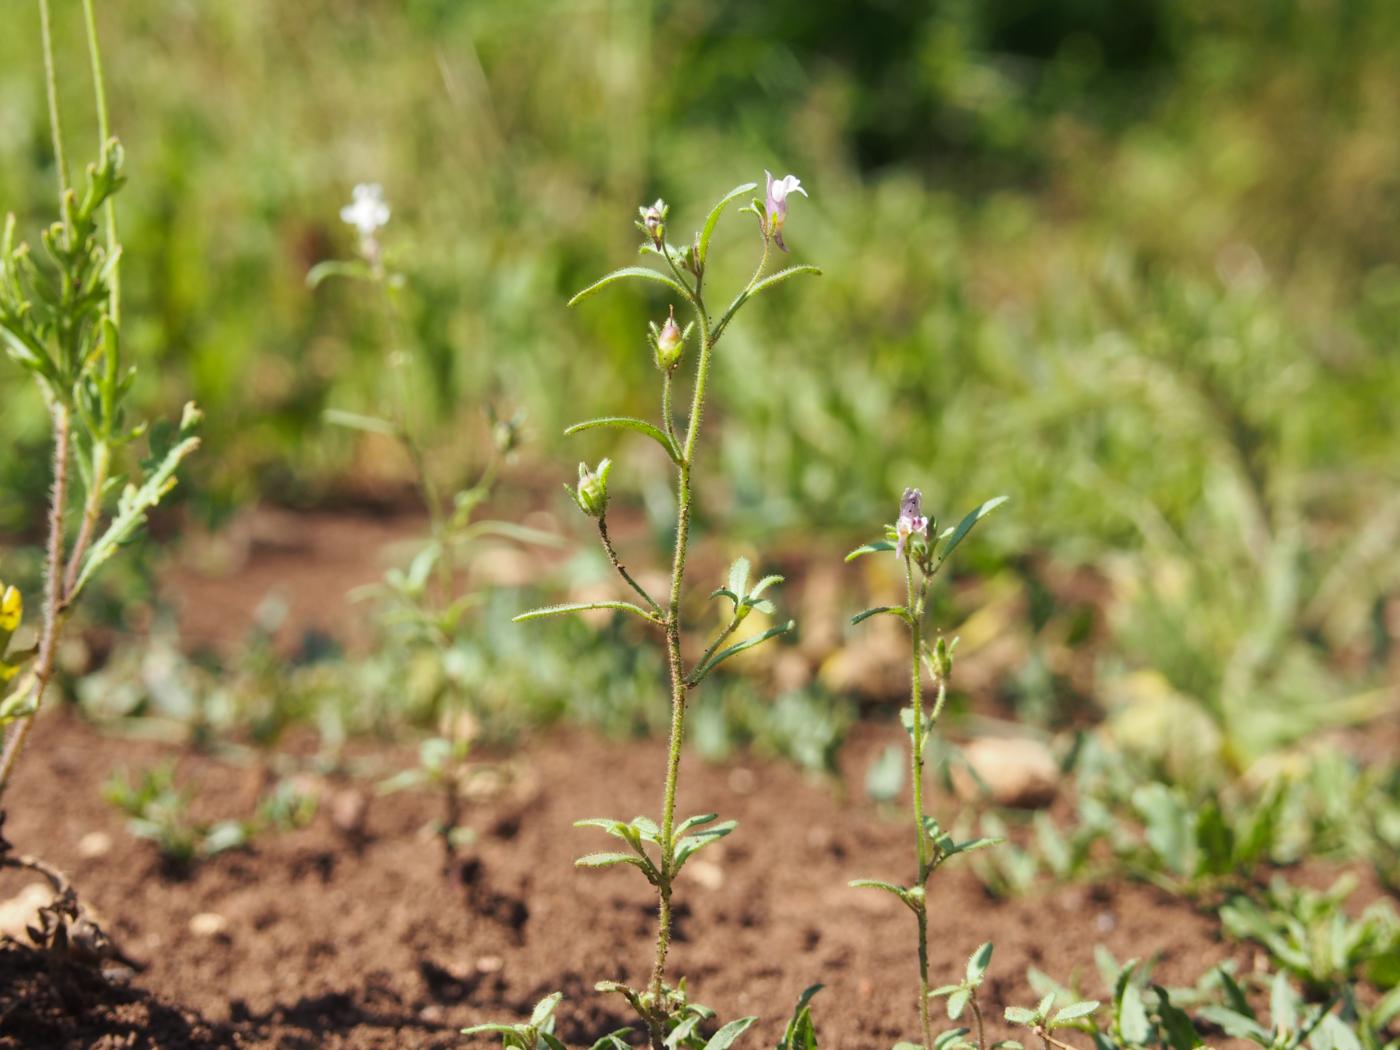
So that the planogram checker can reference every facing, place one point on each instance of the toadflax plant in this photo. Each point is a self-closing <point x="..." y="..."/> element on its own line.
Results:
<point x="922" y="552"/>
<point x="422" y="606"/>
<point x="60" y="320"/>
<point x="660" y="849"/>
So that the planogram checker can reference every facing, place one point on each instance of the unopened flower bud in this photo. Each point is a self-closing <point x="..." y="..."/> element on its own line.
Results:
<point x="943" y="658"/>
<point x="653" y="222"/>
<point x="505" y="434"/>
<point x="592" y="492"/>
<point x="670" y="343"/>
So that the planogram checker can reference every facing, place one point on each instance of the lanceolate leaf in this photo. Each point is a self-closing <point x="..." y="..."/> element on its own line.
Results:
<point x="724" y="1038"/>
<point x="135" y="503"/>
<point x="573" y="607"/>
<point x="965" y="526"/>
<point x="781" y="276"/>
<point x="708" y="231"/>
<point x="641" y="426"/>
<point x="870" y="548"/>
<point x="896" y="610"/>
<point x="642" y="273"/>
<point x="356" y="421"/>
<point x="739" y="647"/>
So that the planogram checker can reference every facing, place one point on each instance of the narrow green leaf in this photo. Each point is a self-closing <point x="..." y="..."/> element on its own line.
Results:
<point x="135" y="503"/>
<point x="642" y="273"/>
<point x="977" y="964"/>
<point x="957" y="1002"/>
<point x="1019" y="1015"/>
<point x="870" y="548"/>
<point x="492" y="1029"/>
<point x="889" y="887"/>
<point x="708" y="230"/>
<point x="739" y="647"/>
<point x="693" y="844"/>
<point x="336" y="268"/>
<point x="694" y="822"/>
<point x="1074" y="1012"/>
<point x="894" y="610"/>
<point x="641" y="426"/>
<point x="573" y="607"/>
<point x="356" y="421"/>
<point x="544" y="1008"/>
<point x="739" y="576"/>
<point x="762" y="585"/>
<point x="607" y="860"/>
<point x="946" y="1039"/>
<point x="1235" y="1024"/>
<point x="724" y="1038"/>
<point x="965" y="526"/>
<point x="782" y="275"/>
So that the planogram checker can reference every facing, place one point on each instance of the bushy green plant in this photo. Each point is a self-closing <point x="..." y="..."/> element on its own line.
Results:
<point x="61" y="322"/>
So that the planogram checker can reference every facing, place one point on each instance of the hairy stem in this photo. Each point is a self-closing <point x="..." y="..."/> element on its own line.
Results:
<point x="684" y="498"/>
<point x="621" y="569"/>
<point x="977" y="1014"/>
<point x="916" y="723"/>
<point x="53" y="595"/>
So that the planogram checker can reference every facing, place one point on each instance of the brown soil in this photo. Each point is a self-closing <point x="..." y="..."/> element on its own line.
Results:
<point x="339" y="944"/>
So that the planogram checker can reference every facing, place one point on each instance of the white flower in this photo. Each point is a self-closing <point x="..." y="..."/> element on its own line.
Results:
<point x="776" y="205"/>
<point x="367" y="212"/>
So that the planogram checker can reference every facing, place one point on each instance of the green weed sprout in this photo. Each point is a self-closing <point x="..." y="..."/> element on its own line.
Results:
<point x="923" y="551"/>
<point x="659" y="850"/>
<point x="419" y="606"/>
<point x="60" y="320"/>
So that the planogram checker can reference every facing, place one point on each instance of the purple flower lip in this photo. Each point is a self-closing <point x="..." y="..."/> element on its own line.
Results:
<point x="911" y="520"/>
<point x="776" y="205"/>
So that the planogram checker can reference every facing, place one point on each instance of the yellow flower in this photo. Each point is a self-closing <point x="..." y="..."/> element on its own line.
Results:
<point x="11" y="610"/>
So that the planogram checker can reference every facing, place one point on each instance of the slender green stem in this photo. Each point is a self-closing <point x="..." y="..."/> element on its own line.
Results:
<point x="104" y="135"/>
<point x="709" y="652"/>
<point x="55" y="125"/>
<point x="621" y="570"/>
<point x="916" y="724"/>
<point x="668" y="416"/>
<point x="54" y="612"/>
<point x="977" y="1014"/>
<point x="684" y="498"/>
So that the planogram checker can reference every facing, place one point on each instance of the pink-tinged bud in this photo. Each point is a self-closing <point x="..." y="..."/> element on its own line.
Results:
<point x="775" y="208"/>
<point x="653" y="222"/>
<point x="911" y="520"/>
<point x="670" y="343"/>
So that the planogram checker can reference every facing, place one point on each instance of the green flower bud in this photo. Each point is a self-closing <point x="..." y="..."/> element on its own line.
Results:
<point x="592" y="492"/>
<point x="943" y="657"/>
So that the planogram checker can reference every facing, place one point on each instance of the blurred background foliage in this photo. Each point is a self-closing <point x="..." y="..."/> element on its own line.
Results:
<point x="1132" y="264"/>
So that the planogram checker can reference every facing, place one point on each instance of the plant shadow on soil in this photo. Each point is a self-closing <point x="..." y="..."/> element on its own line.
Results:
<point x="325" y="941"/>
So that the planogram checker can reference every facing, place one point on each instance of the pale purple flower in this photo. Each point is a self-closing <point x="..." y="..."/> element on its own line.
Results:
<point x="776" y="205"/>
<point x="367" y="211"/>
<point x="911" y="519"/>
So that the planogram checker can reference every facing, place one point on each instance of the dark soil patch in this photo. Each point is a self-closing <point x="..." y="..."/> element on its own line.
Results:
<point x="333" y="943"/>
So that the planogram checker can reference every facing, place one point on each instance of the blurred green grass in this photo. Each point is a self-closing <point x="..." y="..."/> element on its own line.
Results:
<point x="1133" y="265"/>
